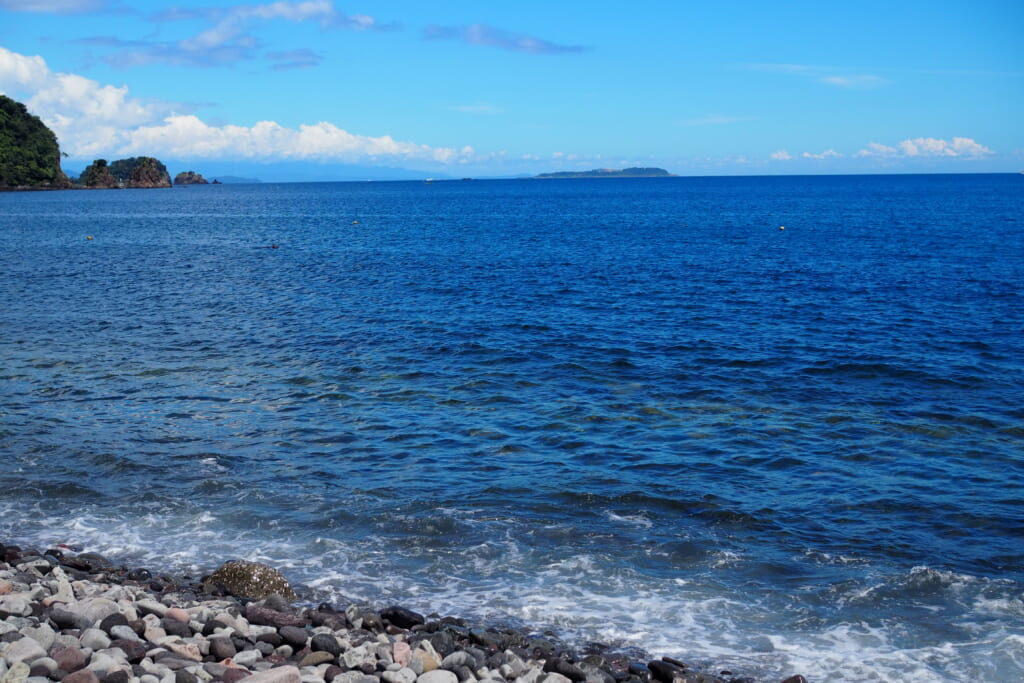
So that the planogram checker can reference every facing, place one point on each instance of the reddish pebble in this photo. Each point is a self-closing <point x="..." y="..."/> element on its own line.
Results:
<point x="402" y="653"/>
<point x="234" y="675"/>
<point x="6" y="587"/>
<point x="177" y="614"/>
<point x="83" y="676"/>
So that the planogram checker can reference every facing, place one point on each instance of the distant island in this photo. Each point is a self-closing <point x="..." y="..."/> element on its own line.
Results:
<point x="633" y="172"/>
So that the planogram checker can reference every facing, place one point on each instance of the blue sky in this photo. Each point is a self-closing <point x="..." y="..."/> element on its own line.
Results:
<point x="504" y="88"/>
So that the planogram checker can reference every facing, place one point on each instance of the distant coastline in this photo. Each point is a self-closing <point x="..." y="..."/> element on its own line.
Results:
<point x="632" y="172"/>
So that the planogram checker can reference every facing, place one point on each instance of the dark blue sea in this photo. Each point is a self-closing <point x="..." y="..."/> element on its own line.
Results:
<point x="631" y="411"/>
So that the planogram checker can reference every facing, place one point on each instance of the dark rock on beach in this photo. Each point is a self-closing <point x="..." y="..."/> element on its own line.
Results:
<point x="56" y="625"/>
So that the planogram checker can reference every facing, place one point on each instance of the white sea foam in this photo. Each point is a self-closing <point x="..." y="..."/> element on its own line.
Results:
<point x="585" y="599"/>
<point x="638" y="520"/>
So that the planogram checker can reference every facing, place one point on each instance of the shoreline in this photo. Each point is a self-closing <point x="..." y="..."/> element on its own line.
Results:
<point x="85" y="619"/>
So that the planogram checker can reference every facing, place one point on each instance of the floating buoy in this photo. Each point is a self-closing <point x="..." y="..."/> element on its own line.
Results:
<point x="273" y="246"/>
<point x="355" y="222"/>
<point x="88" y="237"/>
<point x="782" y="227"/>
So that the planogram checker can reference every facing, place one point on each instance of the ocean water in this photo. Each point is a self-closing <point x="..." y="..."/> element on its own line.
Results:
<point x="631" y="411"/>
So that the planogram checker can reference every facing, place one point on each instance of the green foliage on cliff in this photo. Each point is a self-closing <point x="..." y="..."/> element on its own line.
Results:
<point x="97" y="175"/>
<point x="144" y="167"/>
<point x="29" y="155"/>
<point x="190" y="178"/>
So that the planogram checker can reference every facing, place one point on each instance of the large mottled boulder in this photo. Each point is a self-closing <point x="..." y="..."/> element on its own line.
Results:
<point x="251" y="580"/>
<point x="190" y="178"/>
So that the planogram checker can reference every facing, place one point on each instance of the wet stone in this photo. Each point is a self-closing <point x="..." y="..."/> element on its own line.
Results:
<point x="111" y="621"/>
<point x="664" y="671"/>
<point x="323" y="642"/>
<point x="401" y="617"/>
<point x="294" y="636"/>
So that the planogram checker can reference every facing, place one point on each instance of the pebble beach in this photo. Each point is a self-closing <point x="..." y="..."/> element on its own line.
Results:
<point x="81" y="618"/>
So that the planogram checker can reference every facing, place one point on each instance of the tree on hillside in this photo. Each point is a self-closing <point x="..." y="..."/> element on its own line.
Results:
<point x="29" y="154"/>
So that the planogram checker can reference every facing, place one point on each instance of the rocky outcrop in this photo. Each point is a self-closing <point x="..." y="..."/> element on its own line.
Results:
<point x="190" y="178"/>
<point x="148" y="173"/>
<point x="97" y="176"/>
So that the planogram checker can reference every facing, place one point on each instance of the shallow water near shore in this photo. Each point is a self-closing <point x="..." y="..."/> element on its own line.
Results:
<point x="632" y="411"/>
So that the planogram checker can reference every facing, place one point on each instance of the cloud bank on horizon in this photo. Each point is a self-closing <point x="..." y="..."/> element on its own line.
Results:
<point x="92" y="119"/>
<point x="530" y="103"/>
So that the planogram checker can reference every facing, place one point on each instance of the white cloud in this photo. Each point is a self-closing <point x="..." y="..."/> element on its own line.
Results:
<point x="932" y="147"/>
<point x="827" y="154"/>
<point x="227" y="38"/>
<point x="91" y="119"/>
<point x="52" y="6"/>
<point x="875" y="149"/>
<point x="928" y="147"/>
<point x="781" y="155"/>
<point x="482" y="34"/>
<point x="855" y="82"/>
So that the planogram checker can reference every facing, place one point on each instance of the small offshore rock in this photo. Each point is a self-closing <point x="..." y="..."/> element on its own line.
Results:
<point x="795" y="679"/>
<point x="251" y="580"/>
